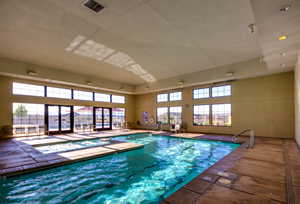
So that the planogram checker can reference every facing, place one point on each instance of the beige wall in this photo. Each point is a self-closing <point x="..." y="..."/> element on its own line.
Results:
<point x="265" y="104"/>
<point x="7" y="99"/>
<point x="297" y="101"/>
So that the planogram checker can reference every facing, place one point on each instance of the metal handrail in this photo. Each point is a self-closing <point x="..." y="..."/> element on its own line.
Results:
<point x="251" y="140"/>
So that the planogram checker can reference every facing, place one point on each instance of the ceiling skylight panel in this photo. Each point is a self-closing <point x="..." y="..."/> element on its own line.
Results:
<point x="76" y="41"/>
<point x="120" y="59"/>
<point x="136" y="69"/>
<point x="94" y="50"/>
<point x="148" y="77"/>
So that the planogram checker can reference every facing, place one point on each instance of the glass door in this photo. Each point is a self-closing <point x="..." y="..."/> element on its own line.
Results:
<point x="102" y="118"/>
<point x="58" y="119"/>
<point x="53" y="118"/>
<point x="106" y="118"/>
<point x="65" y="113"/>
<point x="99" y="118"/>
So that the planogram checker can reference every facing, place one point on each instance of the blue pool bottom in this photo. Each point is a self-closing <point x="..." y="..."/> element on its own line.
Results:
<point x="144" y="176"/>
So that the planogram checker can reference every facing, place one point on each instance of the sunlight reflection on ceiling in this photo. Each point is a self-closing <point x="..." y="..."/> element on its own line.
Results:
<point x="80" y="45"/>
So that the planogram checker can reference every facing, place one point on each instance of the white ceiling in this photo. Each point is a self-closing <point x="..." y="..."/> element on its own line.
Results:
<point x="167" y="38"/>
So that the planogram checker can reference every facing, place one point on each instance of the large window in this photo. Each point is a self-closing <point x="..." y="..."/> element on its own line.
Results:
<point x="59" y="92"/>
<point x="102" y="97"/>
<point x="221" y="91"/>
<point x="28" y="118"/>
<point x="83" y="95"/>
<point x="175" y="96"/>
<point x="118" y="118"/>
<point x="175" y="115"/>
<point x="221" y="114"/>
<point x="162" y="97"/>
<point x="201" y="93"/>
<point x="201" y="115"/>
<point x="162" y="115"/>
<point x="118" y="99"/>
<point x="83" y="116"/>
<point x="28" y="89"/>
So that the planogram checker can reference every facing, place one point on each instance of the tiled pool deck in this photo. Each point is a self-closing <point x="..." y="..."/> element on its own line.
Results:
<point x="268" y="173"/>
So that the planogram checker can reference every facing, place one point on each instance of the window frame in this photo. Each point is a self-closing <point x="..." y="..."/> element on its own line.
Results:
<point x="18" y="94"/>
<point x="221" y="86"/>
<point x="225" y="126"/>
<point x="169" y="96"/>
<point x="168" y="119"/>
<point x="47" y="95"/>
<point x="169" y="113"/>
<point x="162" y="101"/>
<point x="209" y="93"/>
<point x="209" y="114"/>
<point x="111" y="99"/>
<point x="73" y="95"/>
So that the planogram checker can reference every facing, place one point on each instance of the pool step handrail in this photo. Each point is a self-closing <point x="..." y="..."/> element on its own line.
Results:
<point x="251" y="139"/>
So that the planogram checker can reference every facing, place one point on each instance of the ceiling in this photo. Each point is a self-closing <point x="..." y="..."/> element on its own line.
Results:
<point x="163" y="38"/>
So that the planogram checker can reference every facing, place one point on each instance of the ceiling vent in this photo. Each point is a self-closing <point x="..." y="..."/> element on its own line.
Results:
<point x="93" y="5"/>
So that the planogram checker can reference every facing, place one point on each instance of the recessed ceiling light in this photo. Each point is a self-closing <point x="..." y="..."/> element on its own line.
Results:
<point x="285" y="8"/>
<point x="282" y="37"/>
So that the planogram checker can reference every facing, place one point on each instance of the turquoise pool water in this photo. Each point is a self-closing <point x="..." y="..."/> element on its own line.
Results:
<point x="142" y="176"/>
<point x="67" y="146"/>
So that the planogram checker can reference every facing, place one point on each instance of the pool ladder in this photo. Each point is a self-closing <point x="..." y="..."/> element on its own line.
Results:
<point x="251" y="139"/>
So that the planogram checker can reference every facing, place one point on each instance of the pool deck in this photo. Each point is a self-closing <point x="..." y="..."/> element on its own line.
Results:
<point x="19" y="156"/>
<point x="267" y="173"/>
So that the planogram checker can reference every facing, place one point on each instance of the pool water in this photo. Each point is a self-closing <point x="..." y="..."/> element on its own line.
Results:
<point x="142" y="176"/>
<point x="67" y="146"/>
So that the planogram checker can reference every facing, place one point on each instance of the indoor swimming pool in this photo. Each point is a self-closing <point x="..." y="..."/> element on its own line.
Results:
<point x="145" y="175"/>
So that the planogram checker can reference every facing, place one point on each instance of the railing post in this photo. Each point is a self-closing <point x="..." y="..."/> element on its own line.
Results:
<point x="252" y="139"/>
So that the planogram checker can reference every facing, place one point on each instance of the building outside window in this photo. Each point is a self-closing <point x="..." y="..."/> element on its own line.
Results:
<point x="221" y="114"/>
<point x="175" y="96"/>
<point x="118" y="99"/>
<point x="201" y="93"/>
<point x="28" y="89"/>
<point x="162" y="98"/>
<point x="175" y="115"/>
<point x="28" y="118"/>
<point x="118" y="118"/>
<point x="83" y="95"/>
<point x="219" y="91"/>
<point x="201" y="115"/>
<point x="59" y="92"/>
<point x="83" y="116"/>
<point x="102" y="97"/>
<point x="162" y="115"/>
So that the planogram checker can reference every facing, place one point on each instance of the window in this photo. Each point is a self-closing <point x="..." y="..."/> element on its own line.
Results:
<point x="201" y="93"/>
<point x="118" y="99"/>
<point x="59" y="92"/>
<point x="162" y="115"/>
<point x="201" y="115"/>
<point x="162" y="97"/>
<point x="83" y="95"/>
<point x="83" y="115"/>
<point x="102" y="97"/>
<point x="118" y="118"/>
<point x="221" y="114"/>
<point x="221" y="91"/>
<point x="175" y="96"/>
<point x="28" y="118"/>
<point x="28" y="89"/>
<point x="175" y="115"/>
